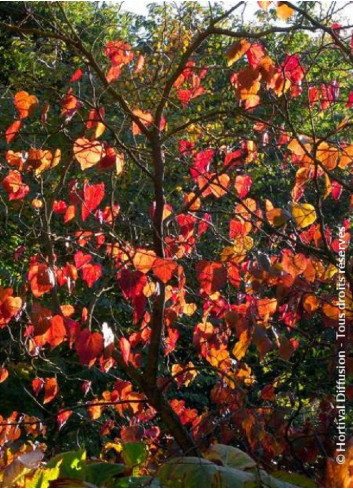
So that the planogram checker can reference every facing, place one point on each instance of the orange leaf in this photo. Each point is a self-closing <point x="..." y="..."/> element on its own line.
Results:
<point x="25" y="104"/>
<point x="14" y="186"/>
<point x="220" y="185"/>
<point x="41" y="279"/>
<point x="211" y="275"/>
<point x="340" y="475"/>
<point x="264" y="5"/>
<point x="294" y="264"/>
<point x="242" y="345"/>
<point x="94" y="409"/>
<point x="4" y="373"/>
<point x="95" y="122"/>
<point x="275" y="216"/>
<point x="268" y="393"/>
<point x="69" y="104"/>
<point x="125" y="348"/>
<point x="15" y="159"/>
<point x="41" y="160"/>
<point x="88" y="153"/>
<point x="283" y="11"/>
<point x="346" y="156"/>
<point x="236" y="51"/>
<point x="70" y="213"/>
<point x="56" y="332"/>
<point x="328" y="156"/>
<point x="145" y="117"/>
<point x="266" y="308"/>
<point x="144" y="259"/>
<point x="10" y="307"/>
<point x="50" y="389"/>
<point x="164" y="269"/>
<point x="310" y="303"/>
<point x="12" y="130"/>
<point x="113" y="73"/>
<point x="139" y="64"/>
<point x="331" y="311"/>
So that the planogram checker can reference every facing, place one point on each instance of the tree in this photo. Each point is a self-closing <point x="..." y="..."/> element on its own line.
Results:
<point x="176" y="196"/>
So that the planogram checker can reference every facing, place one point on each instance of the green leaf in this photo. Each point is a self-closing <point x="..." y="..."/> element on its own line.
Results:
<point x="267" y="480"/>
<point x="99" y="473"/>
<point x="143" y="481"/>
<point x="199" y="472"/>
<point x="69" y="463"/>
<point x="297" y="479"/>
<point x="134" y="453"/>
<point x="230" y="457"/>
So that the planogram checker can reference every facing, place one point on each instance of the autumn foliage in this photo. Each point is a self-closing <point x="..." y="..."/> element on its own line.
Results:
<point x="172" y="213"/>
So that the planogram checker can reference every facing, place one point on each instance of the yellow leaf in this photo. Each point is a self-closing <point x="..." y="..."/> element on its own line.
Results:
<point x="303" y="214"/>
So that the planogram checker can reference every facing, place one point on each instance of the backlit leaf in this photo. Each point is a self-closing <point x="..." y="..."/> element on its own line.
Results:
<point x="303" y="214"/>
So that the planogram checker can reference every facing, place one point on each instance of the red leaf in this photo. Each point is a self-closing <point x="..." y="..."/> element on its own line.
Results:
<point x="76" y="76"/>
<point x="91" y="273"/>
<point x="242" y="185"/>
<point x="40" y="318"/>
<point x="336" y="190"/>
<point x="81" y="259"/>
<point x="255" y="54"/>
<point x="50" y="389"/>
<point x="349" y="104"/>
<point x="89" y="346"/>
<point x="37" y="385"/>
<point x="92" y="197"/>
<point x="171" y="340"/>
<point x="201" y="163"/>
<point x="118" y="52"/>
<point x="62" y="417"/>
<point x="268" y="393"/>
<point x="59" y="207"/>
<point x="131" y="283"/>
<point x="211" y="275"/>
<point x="125" y="348"/>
